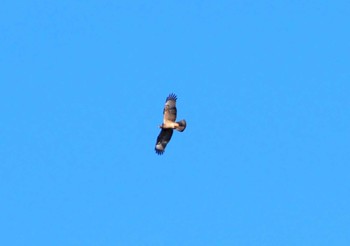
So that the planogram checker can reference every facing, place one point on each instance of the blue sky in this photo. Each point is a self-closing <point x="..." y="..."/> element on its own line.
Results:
<point x="263" y="85"/>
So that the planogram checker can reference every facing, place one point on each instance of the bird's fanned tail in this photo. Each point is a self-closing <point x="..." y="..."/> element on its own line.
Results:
<point x="182" y="125"/>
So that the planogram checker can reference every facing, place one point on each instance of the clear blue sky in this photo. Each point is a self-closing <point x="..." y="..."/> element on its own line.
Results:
<point x="264" y="87"/>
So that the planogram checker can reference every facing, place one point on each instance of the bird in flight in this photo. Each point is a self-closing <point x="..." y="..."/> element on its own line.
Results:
<point x="169" y="124"/>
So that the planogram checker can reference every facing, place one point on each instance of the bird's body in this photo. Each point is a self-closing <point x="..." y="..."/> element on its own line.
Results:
<point x="169" y="124"/>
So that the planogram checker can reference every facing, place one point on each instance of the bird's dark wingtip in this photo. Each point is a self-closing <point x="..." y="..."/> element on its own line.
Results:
<point x="159" y="152"/>
<point x="172" y="97"/>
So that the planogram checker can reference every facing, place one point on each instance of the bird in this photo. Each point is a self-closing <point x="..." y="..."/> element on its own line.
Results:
<point x="169" y="124"/>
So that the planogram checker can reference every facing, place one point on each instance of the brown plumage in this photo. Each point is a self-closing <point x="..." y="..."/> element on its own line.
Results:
<point x="169" y="124"/>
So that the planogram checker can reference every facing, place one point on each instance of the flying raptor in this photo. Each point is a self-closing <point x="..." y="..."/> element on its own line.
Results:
<point x="169" y="124"/>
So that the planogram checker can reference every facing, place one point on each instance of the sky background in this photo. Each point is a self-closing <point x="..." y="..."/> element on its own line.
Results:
<point x="264" y="87"/>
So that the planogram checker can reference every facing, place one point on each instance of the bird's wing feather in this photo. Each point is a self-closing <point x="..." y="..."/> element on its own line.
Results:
<point x="169" y="112"/>
<point x="162" y="140"/>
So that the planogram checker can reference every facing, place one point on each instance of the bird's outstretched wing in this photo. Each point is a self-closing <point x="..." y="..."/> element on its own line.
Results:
<point x="169" y="112"/>
<point x="162" y="140"/>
